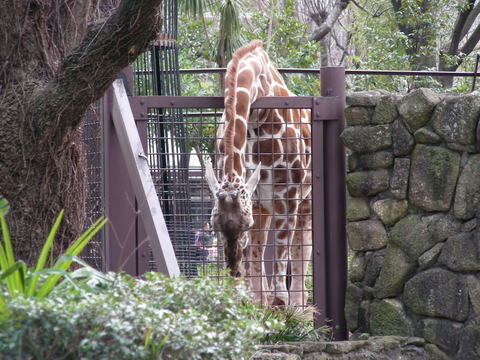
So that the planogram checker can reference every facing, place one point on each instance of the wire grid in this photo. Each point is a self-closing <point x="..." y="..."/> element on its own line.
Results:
<point x="94" y="253"/>
<point x="277" y="184"/>
<point x="179" y="143"/>
<point x="178" y="177"/>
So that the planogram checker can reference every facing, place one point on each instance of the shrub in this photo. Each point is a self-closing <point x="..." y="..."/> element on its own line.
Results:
<point x="37" y="282"/>
<point x="125" y="318"/>
<point x="292" y="324"/>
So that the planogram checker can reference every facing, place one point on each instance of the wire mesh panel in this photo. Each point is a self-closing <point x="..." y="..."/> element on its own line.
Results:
<point x="94" y="253"/>
<point x="283" y="208"/>
<point x="178" y="148"/>
<point x="177" y="141"/>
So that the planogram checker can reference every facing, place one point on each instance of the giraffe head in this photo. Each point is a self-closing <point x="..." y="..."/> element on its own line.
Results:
<point x="232" y="214"/>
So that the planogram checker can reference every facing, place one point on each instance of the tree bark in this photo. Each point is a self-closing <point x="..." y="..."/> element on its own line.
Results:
<point x="54" y="63"/>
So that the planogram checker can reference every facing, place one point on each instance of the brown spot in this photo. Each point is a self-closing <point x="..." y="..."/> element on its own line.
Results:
<point x="243" y="104"/>
<point x="264" y="85"/>
<point x="280" y="208"/>
<point x="272" y="124"/>
<point x="245" y="79"/>
<point x="292" y="193"/>
<point x="240" y="134"/>
<point x="282" y="234"/>
<point x="279" y="222"/>
<point x="290" y="144"/>
<point x="263" y="175"/>
<point x="305" y="207"/>
<point x="278" y="302"/>
<point x="298" y="173"/>
<point x="280" y="175"/>
<point x="237" y="163"/>
<point x="266" y="151"/>
<point x="292" y="206"/>
<point x="306" y="132"/>
<point x="290" y="133"/>
<point x="259" y="210"/>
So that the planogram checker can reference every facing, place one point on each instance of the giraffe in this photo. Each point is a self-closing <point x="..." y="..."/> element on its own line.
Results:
<point x="264" y="161"/>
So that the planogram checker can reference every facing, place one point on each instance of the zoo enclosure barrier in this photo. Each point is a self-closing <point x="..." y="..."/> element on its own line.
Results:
<point x="110" y="192"/>
<point x="158" y="120"/>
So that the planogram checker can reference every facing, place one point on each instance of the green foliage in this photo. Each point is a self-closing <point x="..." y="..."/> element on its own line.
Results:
<point x="409" y="39"/>
<point x="287" y="47"/>
<point x="125" y="318"/>
<point x="292" y="324"/>
<point x="39" y="281"/>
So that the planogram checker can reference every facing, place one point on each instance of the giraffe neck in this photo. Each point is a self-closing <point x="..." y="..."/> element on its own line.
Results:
<point x="248" y="78"/>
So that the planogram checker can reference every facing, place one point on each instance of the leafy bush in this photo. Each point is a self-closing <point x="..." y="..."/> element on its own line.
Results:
<point x="125" y="318"/>
<point x="293" y="324"/>
<point x="39" y="281"/>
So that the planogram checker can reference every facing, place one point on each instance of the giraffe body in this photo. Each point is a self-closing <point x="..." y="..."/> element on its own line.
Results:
<point x="271" y="148"/>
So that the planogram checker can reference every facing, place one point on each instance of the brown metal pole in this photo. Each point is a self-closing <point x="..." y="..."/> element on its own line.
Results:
<point x="333" y="84"/>
<point x="318" y="217"/>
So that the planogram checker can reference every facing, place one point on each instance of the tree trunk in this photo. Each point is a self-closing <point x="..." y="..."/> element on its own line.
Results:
<point x="53" y="65"/>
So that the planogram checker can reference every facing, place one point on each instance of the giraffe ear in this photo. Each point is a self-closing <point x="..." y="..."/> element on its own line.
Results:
<point x="211" y="179"/>
<point x="254" y="179"/>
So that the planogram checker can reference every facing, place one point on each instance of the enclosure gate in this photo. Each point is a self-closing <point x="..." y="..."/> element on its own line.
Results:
<point x="328" y="186"/>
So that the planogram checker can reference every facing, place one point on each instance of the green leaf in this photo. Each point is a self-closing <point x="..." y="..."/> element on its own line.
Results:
<point x="11" y="270"/>
<point x="7" y="259"/>
<point x="4" y="207"/>
<point x="64" y="262"/>
<point x="44" y="253"/>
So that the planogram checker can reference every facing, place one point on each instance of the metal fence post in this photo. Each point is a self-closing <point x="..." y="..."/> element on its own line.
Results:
<point x="318" y="216"/>
<point x="333" y="84"/>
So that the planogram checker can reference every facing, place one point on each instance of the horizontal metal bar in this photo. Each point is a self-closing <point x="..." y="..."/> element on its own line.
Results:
<point x="208" y="102"/>
<point x="177" y="102"/>
<point x="283" y="102"/>
<point x="140" y="104"/>
<point x="411" y="73"/>
<point x="348" y="72"/>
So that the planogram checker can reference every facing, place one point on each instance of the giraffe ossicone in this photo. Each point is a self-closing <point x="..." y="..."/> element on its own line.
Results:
<point x="264" y="182"/>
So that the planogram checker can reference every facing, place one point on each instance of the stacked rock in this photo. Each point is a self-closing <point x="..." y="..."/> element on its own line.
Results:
<point x="413" y="217"/>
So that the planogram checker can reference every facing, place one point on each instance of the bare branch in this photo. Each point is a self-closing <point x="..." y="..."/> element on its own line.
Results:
<point x="360" y="6"/>
<point x="332" y="17"/>
<point x="470" y="19"/>
<point x="472" y="41"/>
<point x="460" y="28"/>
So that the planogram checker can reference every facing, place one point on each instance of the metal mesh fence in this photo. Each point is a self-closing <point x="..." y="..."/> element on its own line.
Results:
<point x="179" y="143"/>
<point x="177" y="170"/>
<point x="94" y="253"/>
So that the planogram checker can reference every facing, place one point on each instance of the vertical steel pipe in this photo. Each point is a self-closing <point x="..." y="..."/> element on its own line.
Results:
<point x="333" y="84"/>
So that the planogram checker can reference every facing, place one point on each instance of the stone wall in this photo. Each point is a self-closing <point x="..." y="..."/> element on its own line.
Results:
<point x="413" y="217"/>
<point x="376" y="348"/>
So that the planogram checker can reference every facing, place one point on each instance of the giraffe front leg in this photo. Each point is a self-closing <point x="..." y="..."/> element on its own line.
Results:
<point x="254" y="257"/>
<point x="300" y="255"/>
<point x="283" y="237"/>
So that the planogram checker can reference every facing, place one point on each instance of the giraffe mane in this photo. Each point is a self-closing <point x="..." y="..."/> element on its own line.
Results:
<point x="230" y="100"/>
